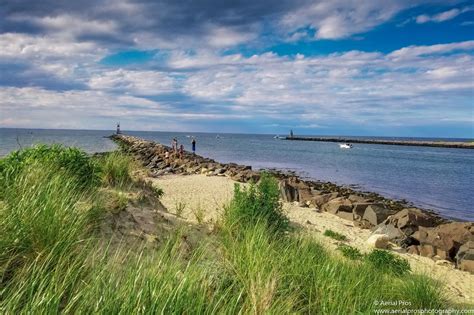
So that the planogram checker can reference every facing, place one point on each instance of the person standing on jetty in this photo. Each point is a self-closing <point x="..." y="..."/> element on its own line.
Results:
<point x="193" y="143"/>
<point x="181" y="151"/>
<point x="174" y="145"/>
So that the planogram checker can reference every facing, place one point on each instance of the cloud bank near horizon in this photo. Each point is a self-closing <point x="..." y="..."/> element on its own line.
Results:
<point x="207" y="66"/>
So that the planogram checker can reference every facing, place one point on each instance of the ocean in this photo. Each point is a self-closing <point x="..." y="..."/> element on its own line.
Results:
<point x="440" y="179"/>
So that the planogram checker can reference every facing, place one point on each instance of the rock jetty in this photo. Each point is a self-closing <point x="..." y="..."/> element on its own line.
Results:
<point x="415" y="230"/>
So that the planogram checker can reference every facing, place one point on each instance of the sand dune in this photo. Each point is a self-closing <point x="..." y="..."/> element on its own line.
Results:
<point x="202" y="198"/>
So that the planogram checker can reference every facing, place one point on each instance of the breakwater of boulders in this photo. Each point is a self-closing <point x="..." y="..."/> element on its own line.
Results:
<point x="414" y="230"/>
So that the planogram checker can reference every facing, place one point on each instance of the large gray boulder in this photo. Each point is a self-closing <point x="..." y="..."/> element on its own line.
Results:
<point x="358" y="209"/>
<point x="401" y="225"/>
<point x="288" y="192"/>
<point x="245" y="176"/>
<point x="292" y="189"/>
<point x="345" y="215"/>
<point x="392" y="232"/>
<point x="358" y="199"/>
<point x="445" y="239"/>
<point x="465" y="257"/>
<point x="376" y="214"/>
<point x="305" y="195"/>
<point x="318" y="200"/>
<point x="408" y="220"/>
<point x="336" y="205"/>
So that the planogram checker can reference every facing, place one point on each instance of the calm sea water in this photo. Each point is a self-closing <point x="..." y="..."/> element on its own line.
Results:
<point x="440" y="179"/>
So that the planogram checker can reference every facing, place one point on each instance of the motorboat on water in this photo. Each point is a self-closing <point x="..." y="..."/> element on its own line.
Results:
<point x="345" y="146"/>
<point x="278" y="137"/>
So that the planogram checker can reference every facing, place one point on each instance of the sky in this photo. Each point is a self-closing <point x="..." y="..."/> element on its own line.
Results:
<point x="333" y="67"/>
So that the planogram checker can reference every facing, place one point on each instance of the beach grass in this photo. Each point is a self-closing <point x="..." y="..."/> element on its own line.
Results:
<point x="52" y="262"/>
<point x="116" y="169"/>
<point x="335" y="235"/>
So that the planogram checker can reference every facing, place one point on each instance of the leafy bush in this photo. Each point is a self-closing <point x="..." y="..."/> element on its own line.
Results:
<point x="388" y="262"/>
<point x="335" y="235"/>
<point x="76" y="164"/>
<point x="350" y="252"/>
<point x="257" y="203"/>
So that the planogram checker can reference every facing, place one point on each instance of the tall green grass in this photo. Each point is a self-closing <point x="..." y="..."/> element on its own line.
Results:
<point x="257" y="203"/>
<point x="72" y="162"/>
<point x="255" y="274"/>
<point x="116" y="169"/>
<point x="50" y="262"/>
<point x="47" y="204"/>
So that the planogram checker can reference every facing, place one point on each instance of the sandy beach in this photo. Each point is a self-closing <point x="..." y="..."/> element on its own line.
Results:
<point x="202" y="198"/>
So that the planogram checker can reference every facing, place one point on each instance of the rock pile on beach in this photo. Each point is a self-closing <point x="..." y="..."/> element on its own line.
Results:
<point x="417" y="231"/>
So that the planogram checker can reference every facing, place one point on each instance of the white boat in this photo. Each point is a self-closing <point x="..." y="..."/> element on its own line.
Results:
<point x="345" y="146"/>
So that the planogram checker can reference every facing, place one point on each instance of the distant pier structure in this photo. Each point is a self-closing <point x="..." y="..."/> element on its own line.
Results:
<point x="421" y="143"/>
<point x="118" y="128"/>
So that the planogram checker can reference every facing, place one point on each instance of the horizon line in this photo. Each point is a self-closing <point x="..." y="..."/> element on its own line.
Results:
<point x="237" y="133"/>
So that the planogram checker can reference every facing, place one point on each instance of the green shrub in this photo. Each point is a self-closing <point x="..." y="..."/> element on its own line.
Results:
<point x="116" y="169"/>
<point x="257" y="203"/>
<point x="350" y="252"/>
<point x="388" y="262"/>
<point x="71" y="161"/>
<point x="335" y="235"/>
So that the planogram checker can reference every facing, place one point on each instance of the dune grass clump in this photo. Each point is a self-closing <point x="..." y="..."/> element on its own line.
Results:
<point x="43" y="210"/>
<point x="158" y="191"/>
<point x="388" y="262"/>
<point x="257" y="203"/>
<point x="48" y="204"/>
<point x="335" y="235"/>
<point x="350" y="252"/>
<point x="72" y="162"/>
<point x="116" y="169"/>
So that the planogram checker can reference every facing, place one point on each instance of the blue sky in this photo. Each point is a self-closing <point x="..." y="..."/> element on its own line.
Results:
<point x="352" y="67"/>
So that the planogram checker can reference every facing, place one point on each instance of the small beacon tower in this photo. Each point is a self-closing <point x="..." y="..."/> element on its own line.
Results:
<point x="118" y="128"/>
